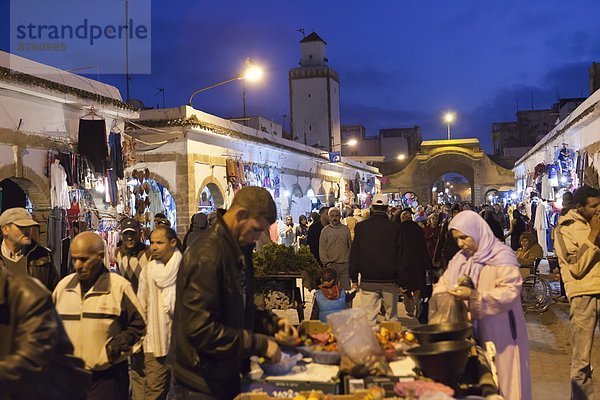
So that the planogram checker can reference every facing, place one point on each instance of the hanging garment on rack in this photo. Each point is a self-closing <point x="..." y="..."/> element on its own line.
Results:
<point x="56" y="232"/>
<point x="116" y="155"/>
<point x="66" y="161"/>
<point x="59" y="191"/>
<point x="92" y="144"/>
<point x="541" y="225"/>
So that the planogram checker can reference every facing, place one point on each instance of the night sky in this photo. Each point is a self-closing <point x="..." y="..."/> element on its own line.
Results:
<point x="401" y="63"/>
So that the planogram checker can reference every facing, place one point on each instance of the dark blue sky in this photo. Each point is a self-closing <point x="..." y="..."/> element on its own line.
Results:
<point x="401" y="63"/>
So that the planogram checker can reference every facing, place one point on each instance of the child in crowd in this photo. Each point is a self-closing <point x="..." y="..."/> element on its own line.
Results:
<point x="331" y="297"/>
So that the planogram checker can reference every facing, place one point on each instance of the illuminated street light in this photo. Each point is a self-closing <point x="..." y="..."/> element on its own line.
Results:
<point x="251" y="73"/>
<point x="449" y="118"/>
<point x="401" y="157"/>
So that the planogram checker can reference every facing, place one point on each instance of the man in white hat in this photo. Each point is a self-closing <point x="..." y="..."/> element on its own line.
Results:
<point x="22" y="255"/>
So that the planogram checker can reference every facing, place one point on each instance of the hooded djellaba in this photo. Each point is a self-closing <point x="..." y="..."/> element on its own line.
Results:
<point x="198" y="224"/>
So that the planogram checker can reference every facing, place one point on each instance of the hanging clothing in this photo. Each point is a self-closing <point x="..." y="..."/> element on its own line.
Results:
<point x="59" y="191"/>
<point x="541" y="225"/>
<point x="116" y="154"/>
<point x="92" y="143"/>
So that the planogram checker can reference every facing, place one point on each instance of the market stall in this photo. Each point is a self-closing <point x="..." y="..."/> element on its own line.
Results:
<point x="386" y="361"/>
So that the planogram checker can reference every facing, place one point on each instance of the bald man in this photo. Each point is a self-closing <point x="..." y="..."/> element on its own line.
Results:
<point x="102" y="317"/>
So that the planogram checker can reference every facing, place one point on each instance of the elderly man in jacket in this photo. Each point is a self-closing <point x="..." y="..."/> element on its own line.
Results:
<point x="214" y="326"/>
<point x="102" y="317"/>
<point x="576" y="246"/>
<point x="21" y="254"/>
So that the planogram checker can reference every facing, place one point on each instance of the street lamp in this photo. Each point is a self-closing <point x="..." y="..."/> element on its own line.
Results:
<point x="251" y="72"/>
<point x="449" y="118"/>
<point x="401" y="157"/>
<point x="351" y="143"/>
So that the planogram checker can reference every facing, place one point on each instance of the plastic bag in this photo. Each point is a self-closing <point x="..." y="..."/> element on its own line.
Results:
<point x="361" y="353"/>
<point x="443" y="307"/>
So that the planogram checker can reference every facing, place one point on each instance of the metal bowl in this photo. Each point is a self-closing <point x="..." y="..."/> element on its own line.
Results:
<point x="442" y="361"/>
<point x="442" y="332"/>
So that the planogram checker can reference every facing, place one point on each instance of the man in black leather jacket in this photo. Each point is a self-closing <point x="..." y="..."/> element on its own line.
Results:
<point x="21" y="254"/>
<point x="36" y="360"/>
<point x="212" y="330"/>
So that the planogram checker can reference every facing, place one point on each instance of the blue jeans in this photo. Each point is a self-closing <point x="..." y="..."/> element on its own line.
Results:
<point x="584" y="317"/>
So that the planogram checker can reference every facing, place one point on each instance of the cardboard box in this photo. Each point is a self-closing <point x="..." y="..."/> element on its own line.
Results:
<point x="264" y="396"/>
<point x="312" y="326"/>
<point x="392" y="326"/>
<point x="288" y="389"/>
<point x="387" y="383"/>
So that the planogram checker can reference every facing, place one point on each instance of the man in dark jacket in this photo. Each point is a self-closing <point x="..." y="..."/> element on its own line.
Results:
<point x="314" y="232"/>
<point x="36" y="356"/>
<point x="22" y="255"/>
<point x="415" y="262"/>
<point x="375" y="256"/>
<point x="212" y="332"/>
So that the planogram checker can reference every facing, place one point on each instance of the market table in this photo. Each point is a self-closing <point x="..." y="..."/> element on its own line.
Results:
<point x="286" y="284"/>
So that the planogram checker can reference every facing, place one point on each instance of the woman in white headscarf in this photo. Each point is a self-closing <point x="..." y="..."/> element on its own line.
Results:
<point x="495" y="300"/>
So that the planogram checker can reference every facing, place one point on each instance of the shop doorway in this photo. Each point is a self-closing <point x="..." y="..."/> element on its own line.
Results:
<point x="210" y="198"/>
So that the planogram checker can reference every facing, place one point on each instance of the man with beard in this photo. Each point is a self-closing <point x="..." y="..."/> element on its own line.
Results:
<point x="334" y="247"/>
<point x="102" y="317"/>
<point x="22" y="255"/>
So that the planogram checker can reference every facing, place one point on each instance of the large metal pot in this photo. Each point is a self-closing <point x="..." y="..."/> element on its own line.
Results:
<point x="442" y="361"/>
<point x="442" y="332"/>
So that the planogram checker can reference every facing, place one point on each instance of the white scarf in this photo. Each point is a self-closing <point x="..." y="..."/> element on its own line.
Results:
<point x="157" y="295"/>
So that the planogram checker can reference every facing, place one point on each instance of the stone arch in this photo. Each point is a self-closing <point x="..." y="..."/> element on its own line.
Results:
<point x="35" y="186"/>
<point x="461" y="156"/>
<point x="216" y="190"/>
<point x="445" y="163"/>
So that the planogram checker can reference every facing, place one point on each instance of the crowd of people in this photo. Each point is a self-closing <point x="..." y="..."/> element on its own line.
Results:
<point x="180" y="317"/>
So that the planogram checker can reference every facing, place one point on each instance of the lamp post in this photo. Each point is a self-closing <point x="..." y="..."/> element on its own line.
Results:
<point x="351" y="143"/>
<point x="251" y="73"/>
<point x="449" y="118"/>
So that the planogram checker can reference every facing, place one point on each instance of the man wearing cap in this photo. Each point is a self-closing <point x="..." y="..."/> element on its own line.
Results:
<point x="22" y="255"/>
<point x="132" y="257"/>
<point x="375" y="261"/>
<point x="334" y="246"/>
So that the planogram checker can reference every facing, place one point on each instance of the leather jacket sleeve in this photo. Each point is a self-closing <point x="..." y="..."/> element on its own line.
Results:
<point x="201" y="317"/>
<point x="36" y="328"/>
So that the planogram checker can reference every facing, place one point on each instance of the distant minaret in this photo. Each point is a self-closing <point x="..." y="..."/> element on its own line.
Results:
<point x="315" y="97"/>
